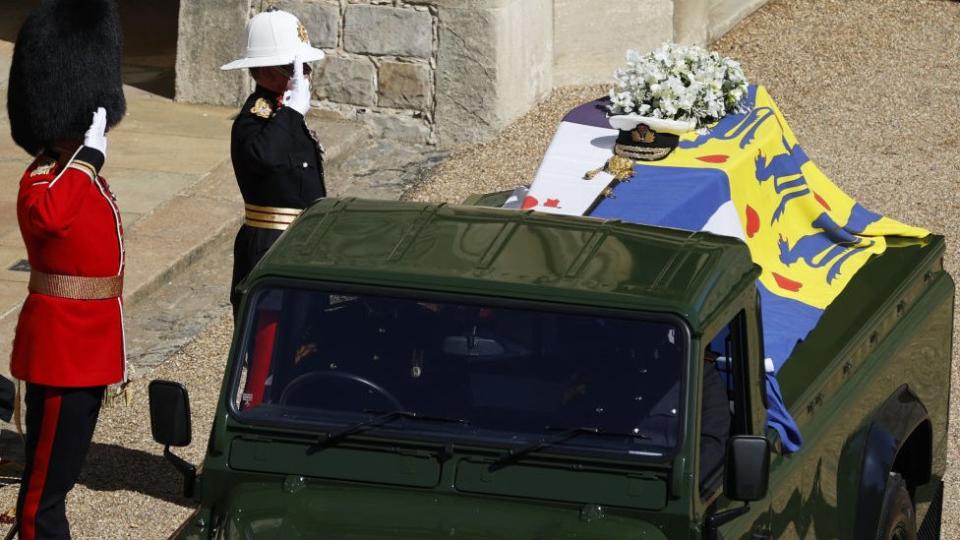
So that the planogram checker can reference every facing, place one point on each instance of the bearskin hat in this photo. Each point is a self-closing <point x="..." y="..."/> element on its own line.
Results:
<point x="66" y="63"/>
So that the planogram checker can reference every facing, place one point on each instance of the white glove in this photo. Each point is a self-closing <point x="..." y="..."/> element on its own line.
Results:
<point x="95" y="136"/>
<point x="298" y="96"/>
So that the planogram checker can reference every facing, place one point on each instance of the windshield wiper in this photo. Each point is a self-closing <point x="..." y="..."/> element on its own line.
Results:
<point x="514" y="454"/>
<point x="383" y="417"/>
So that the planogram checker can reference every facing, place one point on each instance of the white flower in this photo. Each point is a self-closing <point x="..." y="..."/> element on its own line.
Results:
<point x="680" y="83"/>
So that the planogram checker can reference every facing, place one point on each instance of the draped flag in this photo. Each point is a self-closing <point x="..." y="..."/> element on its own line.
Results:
<point x="746" y="177"/>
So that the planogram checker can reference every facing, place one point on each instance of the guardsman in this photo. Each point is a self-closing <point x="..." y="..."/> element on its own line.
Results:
<point x="64" y="92"/>
<point x="277" y="160"/>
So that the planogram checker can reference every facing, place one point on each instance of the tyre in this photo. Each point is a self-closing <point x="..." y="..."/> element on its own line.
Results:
<point x="898" y="519"/>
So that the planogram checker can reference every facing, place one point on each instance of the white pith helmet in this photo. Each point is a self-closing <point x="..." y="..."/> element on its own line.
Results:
<point x="275" y="38"/>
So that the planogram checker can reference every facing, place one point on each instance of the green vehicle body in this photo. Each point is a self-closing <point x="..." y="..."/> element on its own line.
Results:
<point x="869" y="388"/>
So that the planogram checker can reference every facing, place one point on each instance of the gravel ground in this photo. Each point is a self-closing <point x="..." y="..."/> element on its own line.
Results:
<point x="837" y="68"/>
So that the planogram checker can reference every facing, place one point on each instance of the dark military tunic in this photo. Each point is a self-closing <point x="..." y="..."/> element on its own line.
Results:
<point x="278" y="163"/>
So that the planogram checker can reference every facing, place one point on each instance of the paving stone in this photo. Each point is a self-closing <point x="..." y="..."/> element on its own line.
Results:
<point x="167" y="153"/>
<point x="388" y="30"/>
<point x="346" y="80"/>
<point x="153" y="115"/>
<point x="165" y="321"/>
<point x="321" y="19"/>
<point x="405" y="86"/>
<point x="138" y="190"/>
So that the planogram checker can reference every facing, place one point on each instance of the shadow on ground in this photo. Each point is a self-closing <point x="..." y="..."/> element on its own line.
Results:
<point x="114" y="468"/>
<point x="108" y="468"/>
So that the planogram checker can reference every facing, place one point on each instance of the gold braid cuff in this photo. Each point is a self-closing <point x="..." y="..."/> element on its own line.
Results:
<point x="641" y="153"/>
<point x="76" y="287"/>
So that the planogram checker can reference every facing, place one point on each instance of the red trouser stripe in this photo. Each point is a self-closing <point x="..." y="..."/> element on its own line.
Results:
<point x="41" y="462"/>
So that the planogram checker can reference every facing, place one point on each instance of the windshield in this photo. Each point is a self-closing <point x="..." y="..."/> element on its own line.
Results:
<point x="479" y="371"/>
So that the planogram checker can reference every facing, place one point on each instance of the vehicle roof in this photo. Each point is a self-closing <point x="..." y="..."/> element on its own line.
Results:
<point x="511" y="254"/>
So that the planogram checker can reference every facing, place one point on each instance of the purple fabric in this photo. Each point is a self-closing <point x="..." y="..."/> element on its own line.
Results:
<point x="592" y="114"/>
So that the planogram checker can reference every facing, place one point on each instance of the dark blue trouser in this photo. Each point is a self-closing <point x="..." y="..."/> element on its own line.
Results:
<point x="60" y="424"/>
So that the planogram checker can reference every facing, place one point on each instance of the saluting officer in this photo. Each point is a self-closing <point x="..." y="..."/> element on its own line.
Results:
<point x="64" y="92"/>
<point x="277" y="160"/>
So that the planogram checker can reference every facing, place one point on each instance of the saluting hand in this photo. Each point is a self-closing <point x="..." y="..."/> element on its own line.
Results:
<point x="95" y="137"/>
<point x="298" y="96"/>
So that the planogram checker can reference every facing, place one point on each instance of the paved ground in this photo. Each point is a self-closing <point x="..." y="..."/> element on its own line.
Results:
<point x="835" y="67"/>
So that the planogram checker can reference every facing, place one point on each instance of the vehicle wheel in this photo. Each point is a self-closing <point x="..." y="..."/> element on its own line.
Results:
<point x="898" y="519"/>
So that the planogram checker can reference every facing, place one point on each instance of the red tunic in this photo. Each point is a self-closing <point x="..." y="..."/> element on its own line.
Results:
<point x="70" y="225"/>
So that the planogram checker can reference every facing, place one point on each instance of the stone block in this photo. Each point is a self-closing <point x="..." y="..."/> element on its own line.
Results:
<point x="346" y="80"/>
<point x="525" y="56"/>
<point x="466" y="89"/>
<point x="405" y="86"/>
<point x="725" y="14"/>
<point x="320" y="18"/>
<point x="691" y="19"/>
<point x="588" y="49"/>
<point x="201" y="52"/>
<point x="398" y="126"/>
<point x="494" y="62"/>
<point x="374" y="29"/>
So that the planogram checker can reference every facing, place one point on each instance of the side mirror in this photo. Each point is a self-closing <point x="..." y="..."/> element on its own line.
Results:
<point x="169" y="413"/>
<point x="747" y="469"/>
<point x="170" y="424"/>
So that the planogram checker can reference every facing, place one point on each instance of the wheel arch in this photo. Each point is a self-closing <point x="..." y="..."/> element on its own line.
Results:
<point x="897" y="437"/>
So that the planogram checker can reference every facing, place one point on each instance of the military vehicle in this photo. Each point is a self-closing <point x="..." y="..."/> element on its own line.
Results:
<point x="407" y="370"/>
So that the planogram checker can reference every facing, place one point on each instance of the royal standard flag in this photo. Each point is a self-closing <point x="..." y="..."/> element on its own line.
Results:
<point x="746" y="176"/>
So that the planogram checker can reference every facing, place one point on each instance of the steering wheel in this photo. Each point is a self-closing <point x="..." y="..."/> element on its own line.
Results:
<point x="307" y="389"/>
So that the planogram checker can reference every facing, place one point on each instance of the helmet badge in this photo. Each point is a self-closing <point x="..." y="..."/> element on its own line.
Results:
<point x="302" y="32"/>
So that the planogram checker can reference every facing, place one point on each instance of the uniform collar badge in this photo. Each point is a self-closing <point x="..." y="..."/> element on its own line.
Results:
<point x="262" y="108"/>
<point x="43" y="169"/>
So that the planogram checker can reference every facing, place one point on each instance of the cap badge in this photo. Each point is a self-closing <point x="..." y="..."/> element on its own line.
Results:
<point x="302" y="32"/>
<point x="643" y="134"/>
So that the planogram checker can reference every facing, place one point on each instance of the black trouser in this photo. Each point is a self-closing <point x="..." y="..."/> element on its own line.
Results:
<point x="248" y="248"/>
<point x="60" y="424"/>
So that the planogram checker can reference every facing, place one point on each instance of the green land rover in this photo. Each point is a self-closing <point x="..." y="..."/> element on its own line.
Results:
<point x="405" y="370"/>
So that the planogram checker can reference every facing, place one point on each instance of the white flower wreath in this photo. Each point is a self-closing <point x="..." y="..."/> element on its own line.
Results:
<point x="679" y="82"/>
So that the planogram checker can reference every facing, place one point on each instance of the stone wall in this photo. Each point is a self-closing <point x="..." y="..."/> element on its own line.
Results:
<point x="589" y="47"/>
<point x="444" y="71"/>
<point x="380" y="66"/>
<point x="209" y="36"/>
